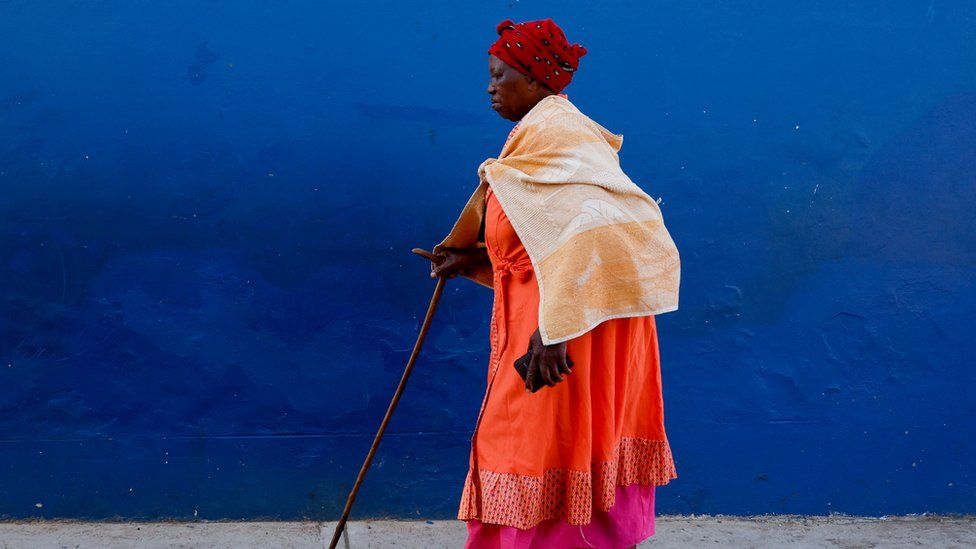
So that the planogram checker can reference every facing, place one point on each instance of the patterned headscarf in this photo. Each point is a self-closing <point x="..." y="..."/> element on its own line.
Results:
<point x="538" y="49"/>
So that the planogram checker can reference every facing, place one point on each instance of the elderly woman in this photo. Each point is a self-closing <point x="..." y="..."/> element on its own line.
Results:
<point x="570" y="442"/>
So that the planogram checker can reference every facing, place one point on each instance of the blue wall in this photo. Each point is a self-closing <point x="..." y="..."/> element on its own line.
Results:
<point x="207" y="210"/>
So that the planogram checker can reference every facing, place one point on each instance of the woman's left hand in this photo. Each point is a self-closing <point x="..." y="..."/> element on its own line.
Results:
<point x="548" y="362"/>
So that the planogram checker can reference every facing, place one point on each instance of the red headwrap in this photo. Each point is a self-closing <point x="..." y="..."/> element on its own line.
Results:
<point x="538" y="49"/>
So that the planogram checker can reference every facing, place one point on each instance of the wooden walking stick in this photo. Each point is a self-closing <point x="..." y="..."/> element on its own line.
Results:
<point x="396" y="398"/>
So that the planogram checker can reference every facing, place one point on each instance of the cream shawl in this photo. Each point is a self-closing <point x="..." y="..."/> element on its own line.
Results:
<point x="597" y="242"/>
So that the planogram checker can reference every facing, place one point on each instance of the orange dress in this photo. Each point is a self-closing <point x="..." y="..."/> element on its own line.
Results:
<point x="561" y="452"/>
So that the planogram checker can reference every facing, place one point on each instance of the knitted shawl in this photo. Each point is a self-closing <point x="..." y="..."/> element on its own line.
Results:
<point x="597" y="242"/>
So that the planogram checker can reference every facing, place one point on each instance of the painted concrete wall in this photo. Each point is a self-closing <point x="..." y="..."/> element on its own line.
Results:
<point x="207" y="295"/>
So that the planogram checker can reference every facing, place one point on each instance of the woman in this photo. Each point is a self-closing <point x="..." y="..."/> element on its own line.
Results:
<point x="579" y="261"/>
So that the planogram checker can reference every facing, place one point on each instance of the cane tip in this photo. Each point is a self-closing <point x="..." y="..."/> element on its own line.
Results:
<point x="424" y="253"/>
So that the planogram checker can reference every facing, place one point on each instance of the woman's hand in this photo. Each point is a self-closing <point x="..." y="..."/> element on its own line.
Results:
<point x="454" y="261"/>
<point x="548" y="362"/>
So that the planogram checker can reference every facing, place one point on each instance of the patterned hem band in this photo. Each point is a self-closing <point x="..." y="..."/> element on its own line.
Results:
<point x="523" y="501"/>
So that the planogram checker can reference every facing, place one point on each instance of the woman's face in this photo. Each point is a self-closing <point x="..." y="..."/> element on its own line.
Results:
<point x="512" y="93"/>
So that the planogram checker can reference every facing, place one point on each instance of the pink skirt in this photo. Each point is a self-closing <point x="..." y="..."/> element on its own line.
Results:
<point x="629" y="522"/>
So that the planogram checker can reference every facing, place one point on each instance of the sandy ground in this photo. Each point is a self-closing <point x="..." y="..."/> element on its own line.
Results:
<point x="672" y="531"/>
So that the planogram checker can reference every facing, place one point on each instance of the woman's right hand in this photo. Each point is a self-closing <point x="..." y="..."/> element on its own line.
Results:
<point x="454" y="261"/>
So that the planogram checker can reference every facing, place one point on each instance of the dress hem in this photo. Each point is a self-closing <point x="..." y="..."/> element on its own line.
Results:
<point x="523" y="501"/>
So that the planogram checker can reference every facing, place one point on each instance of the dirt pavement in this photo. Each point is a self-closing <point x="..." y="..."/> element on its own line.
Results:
<point x="673" y="531"/>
